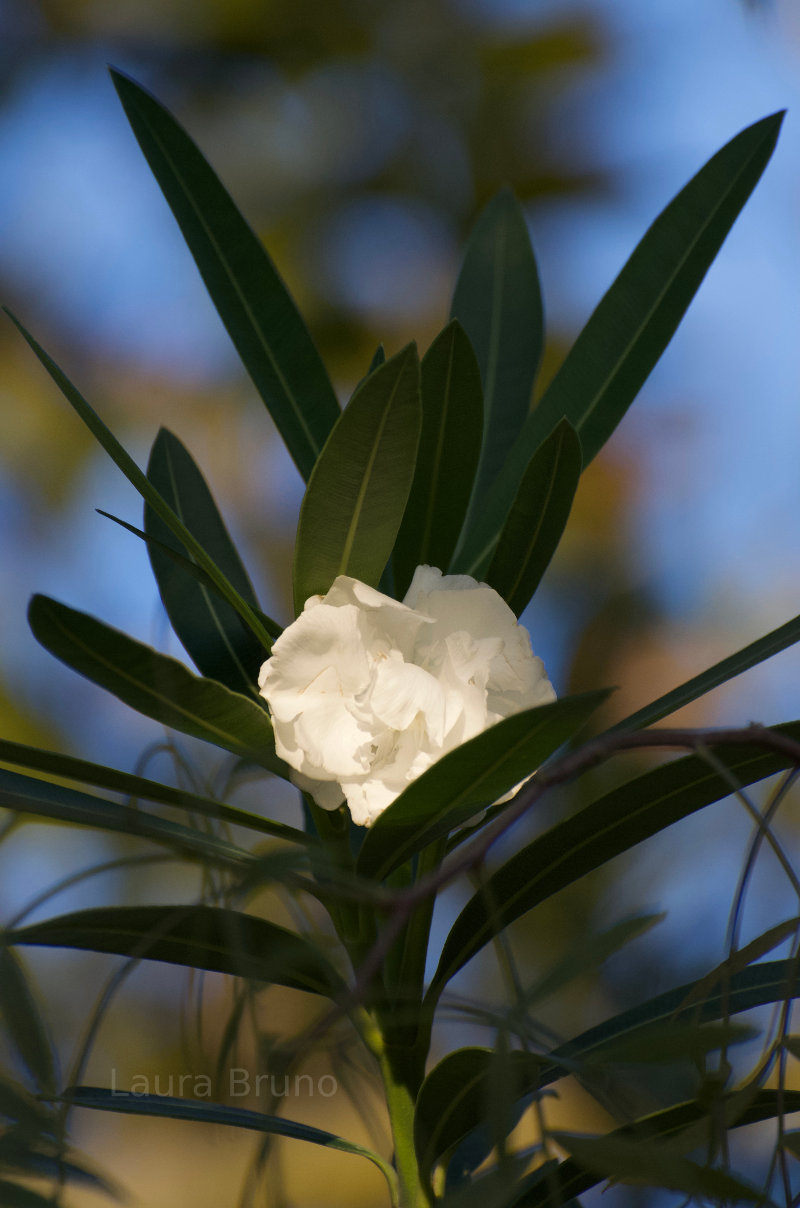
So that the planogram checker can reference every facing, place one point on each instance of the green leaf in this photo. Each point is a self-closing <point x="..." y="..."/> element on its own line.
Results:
<point x="454" y="1098"/>
<point x="498" y="303"/>
<point x="252" y="300"/>
<point x="24" y="1024"/>
<point x="355" y="498"/>
<point x="14" y="1195"/>
<point x="42" y="799"/>
<point x="635" y="1160"/>
<point x="69" y="768"/>
<point x="791" y="1141"/>
<point x="749" y="656"/>
<point x="212" y="632"/>
<point x="474" y="775"/>
<point x="537" y="518"/>
<point x="199" y="937"/>
<point x="155" y="685"/>
<point x="378" y="359"/>
<point x="17" y="1106"/>
<point x="609" y="826"/>
<point x="449" y="448"/>
<point x="672" y="1042"/>
<point x="145" y="488"/>
<point x="201" y="1112"/>
<point x="632" y="324"/>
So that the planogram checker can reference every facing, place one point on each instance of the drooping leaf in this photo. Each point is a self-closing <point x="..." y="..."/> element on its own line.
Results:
<point x="537" y="518"/>
<point x="129" y="468"/>
<point x="155" y="685"/>
<point x="355" y="498"/>
<point x="43" y="799"/>
<point x="24" y="1024"/>
<point x="609" y="826"/>
<point x="170" y="1108"/>
<point x="252" y="300"/>
<point x="212" y="633"/>
<point x="449" y="448"/>
<point x="498" y="302"/>
<point x="468" y="778"/>
<point x="200" y="937"/>
<point x="749" y="656"/>
<point x="53" y="763"/>
<point x="632" y="324"/>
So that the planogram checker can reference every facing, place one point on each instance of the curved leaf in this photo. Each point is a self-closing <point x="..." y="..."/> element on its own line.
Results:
<point x="472" y="776"/>
<point x="24" y="1024"/>
<point x="355" y="498"/>
<point x="200" y="1112"/>
<point x="200" y="937"/>
<point x="613" y="824"/>
<point x="28" y="795"/>
<point x="155" y="685"/>
<point x="212" y="633"/>
<point x="252" y="300"/>
<point x="632" y="324"/>
<point x="140" y="481"/>
<point x="537" y="518"/>
<point x="69" y="768"/>
<point x="449" y="448"/>
<point x="498" y="302"/>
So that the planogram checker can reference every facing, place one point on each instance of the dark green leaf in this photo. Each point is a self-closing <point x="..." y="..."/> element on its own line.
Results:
<point x="45" y="800"/>
<point x="632" y="324"/>
<point x="634" y="1160"/>
<point x="69" y="768"/>
<point x="498" y="303"/>
<point x="253" y="302"/>
<point x="155" y="685"/>
<point x="19" y="1107"/>
<point x="537" y="518"/>
<point x="750" y="656"/>
<point x="613" y="824"/>
<point x="791" y="1141"/>
<point x="14" y="1195"/>
<point x="200" y="937"/>
<point x="355" y="498"/>
<point x="672" y="1042"/>
<point x="468" y="778"/>
<point x="166" y="1107"/>
<point x="145" y="488"/>
<point x="378" y="359"/>
<point x="449" y="448"/>
<point x="24" y="1024"/>
<point x="212" y="633"/>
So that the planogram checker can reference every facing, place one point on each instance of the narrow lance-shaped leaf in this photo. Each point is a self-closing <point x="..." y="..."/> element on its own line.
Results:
<point x="199" y="937"/>
<point x="53" y="763"/>
<point x="129" y="468"/>
<point x="356" y="496"/>
<point x="498" y="302"/>
<point x="749" y="656"/>
<point x="44" y="800"/>
<point x="473" y="775"/>
<point x="449" y="448"/>
<point x="155" y="685"/>
<point x="170" y="1108"/>
<point x="24" y="1024"/>
<point x="609" y="826"/>
<point x="210" y="630"/>
<point x="632" y="324"/>
<point x="253" y="302"/>
<point x="537" y="518"/>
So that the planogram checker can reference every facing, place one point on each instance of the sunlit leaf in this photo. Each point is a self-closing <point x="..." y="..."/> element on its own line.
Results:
<point x="473" y="775"/>
<point x="632" y="324"/>
<point x="355" y="498"/>
<point x="613" y="824"/>
<point x="213" y="634"/>
<point x="449" y="448"/>
<point x="537" y="518"/>
<point x="200" y="937"/>
<point x="253" y="302"/>
<point x="155" y="685"/>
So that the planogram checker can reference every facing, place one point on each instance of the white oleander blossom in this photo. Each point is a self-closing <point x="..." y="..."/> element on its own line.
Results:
<point x="366" y="693"/>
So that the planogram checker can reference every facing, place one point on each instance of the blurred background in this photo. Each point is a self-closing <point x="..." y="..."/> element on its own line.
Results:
<point x="360" y="139"/>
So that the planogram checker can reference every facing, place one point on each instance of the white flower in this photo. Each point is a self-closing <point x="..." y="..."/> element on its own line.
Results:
<point x="366" y="693"/>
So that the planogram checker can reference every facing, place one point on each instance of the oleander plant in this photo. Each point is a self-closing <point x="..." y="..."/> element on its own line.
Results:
<point x="406" y="704"/>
